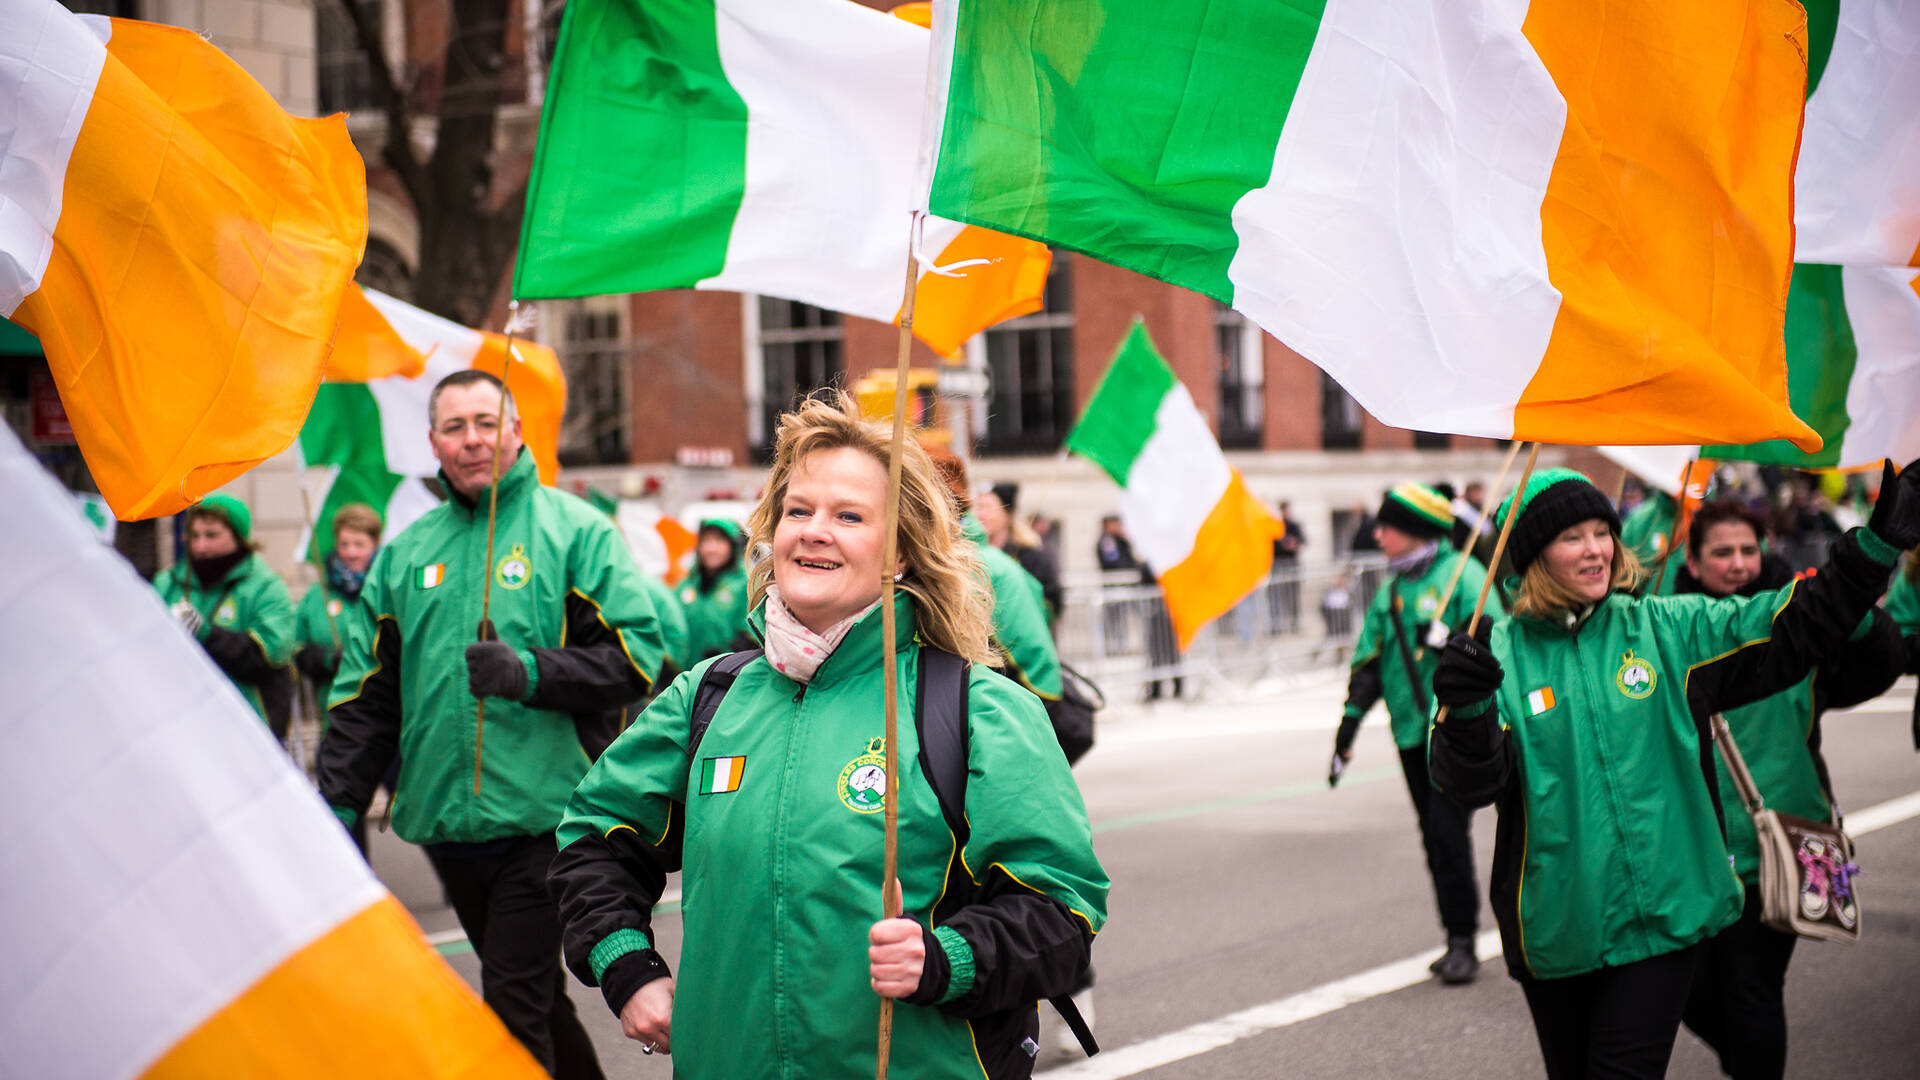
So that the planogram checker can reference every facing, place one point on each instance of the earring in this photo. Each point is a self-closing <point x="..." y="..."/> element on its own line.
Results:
<point x="900" y="575"/>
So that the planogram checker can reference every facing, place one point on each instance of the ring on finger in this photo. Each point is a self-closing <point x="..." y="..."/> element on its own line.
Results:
<point x="646" y="1048"/>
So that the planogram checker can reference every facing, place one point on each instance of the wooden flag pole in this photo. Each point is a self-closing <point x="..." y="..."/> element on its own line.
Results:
<point x="493" y="515"/>
<point x="1493" y="500"/>
<point x="1499" y="548"/>
<point x="313" y="537"/>
<point x="890" y="899"/>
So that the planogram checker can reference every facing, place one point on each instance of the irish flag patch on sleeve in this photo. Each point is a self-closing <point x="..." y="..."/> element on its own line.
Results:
<point x="433" y="575"/>
<point x="719" y="775"/>
<point x="1540" y="701"/>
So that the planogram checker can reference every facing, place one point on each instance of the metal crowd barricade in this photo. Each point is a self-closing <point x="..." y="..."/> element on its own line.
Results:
<point x="1114" y="630"/>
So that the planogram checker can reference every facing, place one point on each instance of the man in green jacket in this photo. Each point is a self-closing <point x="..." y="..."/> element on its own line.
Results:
<point x="1392" y="661"/>
<point x="235" y="606"/>
<point x="714" y="595"/>
<point x="570" y="643"/>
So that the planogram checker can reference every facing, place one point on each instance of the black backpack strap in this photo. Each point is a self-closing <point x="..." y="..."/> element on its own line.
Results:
<point x="1075" y="1023"/>
<point x="713" y="688"/>
<point x="940" y="719"/>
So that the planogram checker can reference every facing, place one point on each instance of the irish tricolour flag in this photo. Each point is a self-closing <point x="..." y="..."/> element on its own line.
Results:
<point x="1853" y="363"/>
<point x="174" y="901"/>
<point x="763" y="146"/>
<point x="1568" y="220"/>
<point x="1856" y="192"/>
<point x="1188" y="512"/>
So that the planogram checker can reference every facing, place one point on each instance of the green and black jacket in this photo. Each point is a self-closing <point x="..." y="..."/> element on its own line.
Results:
<point x="1779" y="736"/>
<point x="567" y="596"/>
<point x="1597" y="751"/>
<point x="1394" y="631"/>
<point x="246" y="627"/>
<point x="1020" y="624"/>
<point x="776" y="827"/>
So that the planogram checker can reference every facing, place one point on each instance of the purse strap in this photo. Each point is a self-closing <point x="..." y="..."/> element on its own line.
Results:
<point x="1736" y="765"/>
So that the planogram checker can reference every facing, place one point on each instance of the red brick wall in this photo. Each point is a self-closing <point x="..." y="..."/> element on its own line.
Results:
<point x="1106" y="299"/>
<point x="1292" y="399"/>
<point x="688" y="384"/>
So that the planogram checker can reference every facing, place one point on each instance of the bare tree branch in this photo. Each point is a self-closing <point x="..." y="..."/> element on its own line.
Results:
<point x="398" y="152"/>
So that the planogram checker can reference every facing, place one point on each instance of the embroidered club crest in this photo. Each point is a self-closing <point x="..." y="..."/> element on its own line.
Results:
<point x="863" y="783"/>
<point x="514" y="570"/>
<point x="688" y="596"/>
<point x="1427" y="604"/>
<point x="226" y="614"/>
<point x="1636" y="677"/>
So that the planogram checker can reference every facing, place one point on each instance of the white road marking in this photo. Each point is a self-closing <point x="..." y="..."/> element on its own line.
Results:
<point x="1330" y="997"/>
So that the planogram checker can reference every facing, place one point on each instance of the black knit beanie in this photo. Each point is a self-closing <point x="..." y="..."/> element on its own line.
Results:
<point x="1555" y="500"/>
<point x="1416" y="510"/>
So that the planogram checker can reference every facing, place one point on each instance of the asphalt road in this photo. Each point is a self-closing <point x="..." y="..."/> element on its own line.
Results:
<point x="1244" y="889"/>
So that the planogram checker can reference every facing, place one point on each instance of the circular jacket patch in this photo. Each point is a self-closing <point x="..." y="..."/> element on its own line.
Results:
<point x="514" y="569"/>
<point x="863" y="783"/>
<point x="1636" y="677"/>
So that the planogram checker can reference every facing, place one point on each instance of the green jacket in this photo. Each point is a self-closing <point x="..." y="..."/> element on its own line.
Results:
<point x="565" y="593"/>
<point x="1379" y="668"/>
<point x="1648" y="530"/>
<point x="675" y="638"/>
<point x="1596" y="749"/>
<point x="716" y="612"/>
<point x="777" y="832"/>
<point x="1903" y="600"/>
<point x="246" y="623"/>
<point x="1020" y="624"/>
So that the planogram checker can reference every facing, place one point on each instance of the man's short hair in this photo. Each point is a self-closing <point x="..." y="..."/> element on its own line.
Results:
<point x="1719" y="512"/>
<point x="465" y="377"/>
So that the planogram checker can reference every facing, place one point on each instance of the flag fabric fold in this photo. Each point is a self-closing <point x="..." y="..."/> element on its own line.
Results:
<point x="763" y="146"/>
<point x="174" y="899"/>
<point x="1494" y="219"/>
<point x="373" y="429"/>
<point x="1857" y="184"/>
<point x="177" y="241"/>
<point x="1188" y="513"/>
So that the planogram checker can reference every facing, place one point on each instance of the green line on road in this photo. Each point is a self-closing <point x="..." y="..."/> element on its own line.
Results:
<point x="1288" y="791"/>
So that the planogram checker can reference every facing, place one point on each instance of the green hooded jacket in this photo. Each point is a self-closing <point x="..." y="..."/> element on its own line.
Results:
<point x="566" y="594"/>
<point x="777" y="830"/>
<point x="715" y="604"/>
<point x="1610" y="847"/>
<point x="675" y="637"/>
<point x="1903" y="599"/>
<point x="1379" y="668"/>
<point x="1647" y="531"/>
<point x="246" y="621"/>
<point x="1020" y="624"/>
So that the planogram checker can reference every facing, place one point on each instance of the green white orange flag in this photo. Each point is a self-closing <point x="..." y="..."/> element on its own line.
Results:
<point x="1557" y="220"/>
<point x="372" y="427"/>
<point x="179" y="244"/>
<point x="176" y="903"/>
<point x="1857" y="185"/>
<point x="1188" y="513"/>
<point x="1853" y="368"/>
<point x="762" y="146"/>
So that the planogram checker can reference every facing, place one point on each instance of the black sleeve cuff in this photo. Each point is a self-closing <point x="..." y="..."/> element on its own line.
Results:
<point x="934" y="971"/>
<point x="628" y="974"/>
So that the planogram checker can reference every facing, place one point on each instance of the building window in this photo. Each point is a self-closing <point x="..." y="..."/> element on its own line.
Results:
<point x="1243" y="379"/>
<point x="593" y="353"/>
<point x="1432" y="440"/>
<point x="345" y="76"/>
<point x="802" y="349"/>
<point x="1030" y="364"/>
<point x="118" y="9"/>
<point x="1340" y="416"/>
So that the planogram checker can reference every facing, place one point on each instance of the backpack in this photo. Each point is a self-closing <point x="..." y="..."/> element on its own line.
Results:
<point x="940" y="721"/>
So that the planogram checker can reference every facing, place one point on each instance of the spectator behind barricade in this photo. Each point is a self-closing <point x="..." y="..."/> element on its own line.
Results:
<point x="1607" y="970"/>
<point x="1163" y="650"/>
<point x="767" y="798"/>
<point x="1336" y="615"/>
<point x="1737" y="1006"/>
<point x="1363" y="539"/>
<point x="331" y="612"/>
<point x="224" y="594"/>
<point x="1283" y="593"/>
<point x="571" y="641"/>
<point x="714" y="595"/>
<point x="998" y="509"/>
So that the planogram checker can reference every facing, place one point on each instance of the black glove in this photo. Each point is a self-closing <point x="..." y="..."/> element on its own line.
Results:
<point x="1334" y="768"/>
<point x="1896" y="513"/>
<point x="494" y="669"/>
<point x="1468" y="672"/>
<point x="319" y="663"/>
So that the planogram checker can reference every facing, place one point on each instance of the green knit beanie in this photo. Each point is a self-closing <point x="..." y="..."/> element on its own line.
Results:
<point x="1554" y="500"/>
<point x="1417" y="510"/>
<point x="232" y="510"/>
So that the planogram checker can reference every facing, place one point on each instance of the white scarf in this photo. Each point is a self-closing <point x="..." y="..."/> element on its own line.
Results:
<point x="794" y="650"/>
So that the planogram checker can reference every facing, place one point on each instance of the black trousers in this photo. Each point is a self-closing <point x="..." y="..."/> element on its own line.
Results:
<point x="499" y="891"/>
<point x="1738" y="1004"/>
<point x="1617" y="1023"/>
<point x="1446" y="831"/>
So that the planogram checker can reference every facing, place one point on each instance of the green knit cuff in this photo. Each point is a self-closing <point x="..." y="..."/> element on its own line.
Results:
<point x="1877" y="549"/>
<point x="613" y="947"/>
<point x="1353" y="712"/>
<point x="347" y="817"/>
<point x="533" y="671"/>
<point x="959" y="962"/>
<point x="1468" y="712"/>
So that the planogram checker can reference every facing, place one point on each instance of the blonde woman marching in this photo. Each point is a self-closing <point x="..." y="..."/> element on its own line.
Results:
<point x="1584" y="719"/>
<point x="774" y="816"/>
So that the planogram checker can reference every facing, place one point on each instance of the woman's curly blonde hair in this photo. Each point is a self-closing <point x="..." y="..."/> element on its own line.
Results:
<point x="953" y="603"/>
